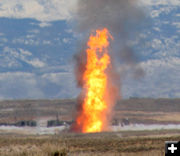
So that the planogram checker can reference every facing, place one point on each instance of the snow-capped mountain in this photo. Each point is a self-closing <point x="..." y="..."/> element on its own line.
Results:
<point x="38" y="42"/>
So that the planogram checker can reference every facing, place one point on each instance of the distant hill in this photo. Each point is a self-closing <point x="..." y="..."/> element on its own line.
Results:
<point x="135" y="110"/>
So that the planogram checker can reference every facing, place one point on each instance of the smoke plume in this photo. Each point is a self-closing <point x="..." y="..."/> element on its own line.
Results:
<point x="121" y="18"/>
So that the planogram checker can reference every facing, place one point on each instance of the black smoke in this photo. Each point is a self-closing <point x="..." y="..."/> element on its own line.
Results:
<point x="122" y="18"/>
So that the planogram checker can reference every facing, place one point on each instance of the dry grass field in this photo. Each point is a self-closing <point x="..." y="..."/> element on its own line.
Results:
<point x="124" y="143"/>
<point x="106" y="144"/>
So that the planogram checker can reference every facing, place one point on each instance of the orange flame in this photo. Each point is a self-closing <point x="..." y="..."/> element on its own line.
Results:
<point x="93" y="117"/>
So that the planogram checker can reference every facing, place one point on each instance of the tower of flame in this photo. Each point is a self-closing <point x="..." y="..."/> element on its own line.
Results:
<point x="93" y="116"/>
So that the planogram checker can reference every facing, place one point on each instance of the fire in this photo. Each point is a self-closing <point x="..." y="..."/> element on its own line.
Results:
<point x="93" y="116"/>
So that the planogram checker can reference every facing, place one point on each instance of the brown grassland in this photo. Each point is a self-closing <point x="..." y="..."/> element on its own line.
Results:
<point x="130" y="143"/>
<point x="98" y="144"/>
